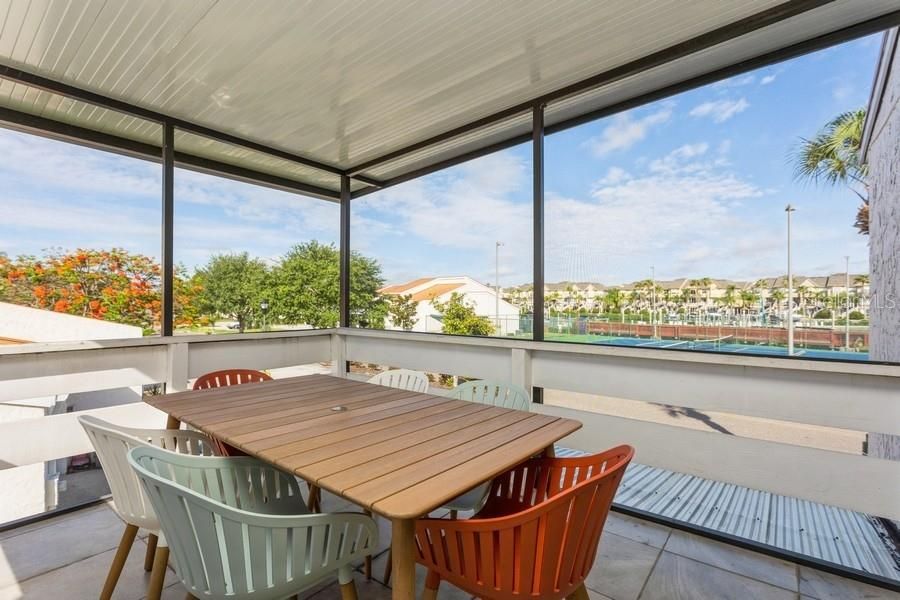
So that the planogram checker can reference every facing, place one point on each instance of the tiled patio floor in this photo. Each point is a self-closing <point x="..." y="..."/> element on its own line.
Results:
<point x="68" y="557"/>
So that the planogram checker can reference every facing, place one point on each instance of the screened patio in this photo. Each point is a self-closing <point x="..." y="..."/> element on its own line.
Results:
<point x="341" y="102"/>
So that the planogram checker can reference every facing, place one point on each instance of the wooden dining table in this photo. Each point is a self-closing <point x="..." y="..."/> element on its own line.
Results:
<point x="396" y="453"/>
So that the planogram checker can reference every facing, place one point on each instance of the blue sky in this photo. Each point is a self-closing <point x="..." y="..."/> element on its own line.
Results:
<point x="693" y="186"/>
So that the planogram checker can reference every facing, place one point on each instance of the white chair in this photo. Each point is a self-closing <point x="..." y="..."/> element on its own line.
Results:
<point x="495" y="393"/>
<point x="112" y="443"/>
<point x="403" y="379"/>
<point x="229" y="524"/>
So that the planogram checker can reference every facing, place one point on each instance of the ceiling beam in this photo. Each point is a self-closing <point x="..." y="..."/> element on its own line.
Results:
<point x="98" y="140"/>
<point x="70" y="91"/>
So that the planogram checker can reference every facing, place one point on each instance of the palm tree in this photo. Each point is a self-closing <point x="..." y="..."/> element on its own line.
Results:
<point x="778" y="297"/>
<point x="833" y="157"/>
<point x="614" y="299"/>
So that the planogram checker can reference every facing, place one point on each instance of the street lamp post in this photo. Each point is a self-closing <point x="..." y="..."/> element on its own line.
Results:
<point x="264" y="308"/>
<point x="653" y="300"/>
<point x="497" y="284"/>
<point x="790" y="276"/>
<point x="847" y="314"/>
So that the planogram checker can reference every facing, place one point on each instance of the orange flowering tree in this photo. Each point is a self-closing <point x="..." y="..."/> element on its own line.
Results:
<point x="113" y="285"/>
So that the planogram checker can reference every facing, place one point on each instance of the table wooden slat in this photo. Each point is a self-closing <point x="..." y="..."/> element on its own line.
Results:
<point x="355" y="448"/>
<point x="321" y="438"/>
<point x="269" y="426"/>
<point x="393" y="405"/>
<point x="204" y="401"/>
<point x="267" y="407"/>
<point x="425" y="465"/>
<point x="400" y="453"/>
<point x="391" y="456"/>
<point x="408" y="503"/>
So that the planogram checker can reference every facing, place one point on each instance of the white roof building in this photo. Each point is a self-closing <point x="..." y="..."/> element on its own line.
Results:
<point x="482" y="298"/>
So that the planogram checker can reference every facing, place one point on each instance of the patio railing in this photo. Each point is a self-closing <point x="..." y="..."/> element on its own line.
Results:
<point x="857" y="396"/>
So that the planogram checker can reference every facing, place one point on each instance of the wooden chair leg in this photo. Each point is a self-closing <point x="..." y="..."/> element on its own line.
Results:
<point x="432" y="583"/>
<point x="115" y="569"/>
<point x="388" y="567"/>
<point x="158" y="574"/>
<point x="580" y="593"/>
<point x="152" y="539"/>
<point x="348" y="591"/>
<point x="314" y="504"/>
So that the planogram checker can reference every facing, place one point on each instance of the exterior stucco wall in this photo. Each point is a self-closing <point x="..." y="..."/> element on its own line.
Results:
<point x="884" y="238"/>
<point x="884" y="214"/>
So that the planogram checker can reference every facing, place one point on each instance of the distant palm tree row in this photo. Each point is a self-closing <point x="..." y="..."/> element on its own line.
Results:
<point x="702" y="296"/>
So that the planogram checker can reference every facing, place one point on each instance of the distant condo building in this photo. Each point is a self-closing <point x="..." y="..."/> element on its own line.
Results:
<point x="811" y="293"/>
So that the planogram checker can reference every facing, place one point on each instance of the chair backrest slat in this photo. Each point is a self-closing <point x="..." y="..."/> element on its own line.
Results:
<point x="494" y="393"/>
<point x="112" y="443"/>
<point x="250" y="542"/>
<point x="538" y="533"/>
<point x="228" y="377"/>
<point x="402" y="379"/>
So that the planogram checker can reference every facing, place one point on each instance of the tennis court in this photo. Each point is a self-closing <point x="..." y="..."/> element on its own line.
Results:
<point x="725" y="345"/>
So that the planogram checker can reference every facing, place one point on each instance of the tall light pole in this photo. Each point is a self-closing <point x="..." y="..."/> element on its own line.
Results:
<point x="653" y="299"/>
<point x="790" y="276"/>
<point x="497" y="283"/>
<point x="847" y="314"/>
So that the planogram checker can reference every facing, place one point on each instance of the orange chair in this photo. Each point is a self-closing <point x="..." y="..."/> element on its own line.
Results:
<point x="536" y="536"/>
<point x="218" y="379"/>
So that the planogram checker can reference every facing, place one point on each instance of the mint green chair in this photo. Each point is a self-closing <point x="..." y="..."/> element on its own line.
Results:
<point x="234" y="531"/>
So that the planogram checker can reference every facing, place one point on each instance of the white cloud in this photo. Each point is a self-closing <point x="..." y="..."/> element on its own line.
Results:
<point x="767" y="79"/>
<point x="624" y="131"/>
<point x="615" y="175"/>
<point x="47" y="163"/>
<point x="462" y="212"/>
<point x="720" y="110"/>
<point x="678" y="209"/>
<point x="681" y="211"/>
<point x="68" y="196"/>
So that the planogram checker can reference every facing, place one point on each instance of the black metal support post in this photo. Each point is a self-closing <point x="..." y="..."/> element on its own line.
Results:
<point x="537" y="166"/>
<point x="537" y="296"/>
<point x="168" y="222"/>
<point x="345" y="252"/>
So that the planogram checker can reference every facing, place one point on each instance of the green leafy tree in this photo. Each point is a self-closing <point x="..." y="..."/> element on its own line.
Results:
<point x="233" y="285"/>
<point x="459" y="318"/>
<point x="307" y="287"/>
<point x="832" y="157"/>
<point x="402" y="311"/>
